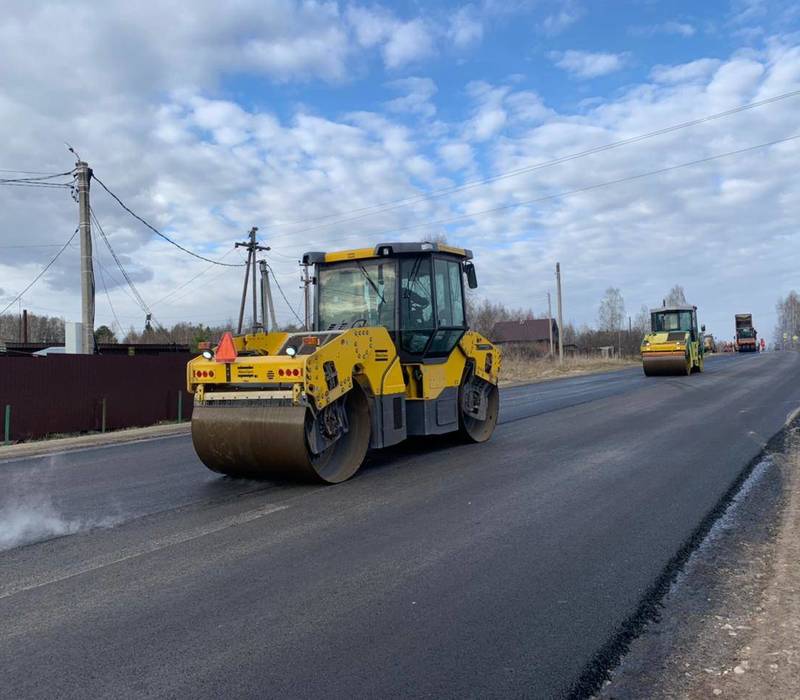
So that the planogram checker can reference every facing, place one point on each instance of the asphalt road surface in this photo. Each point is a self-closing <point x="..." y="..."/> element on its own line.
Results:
<point x="441" y="570"/>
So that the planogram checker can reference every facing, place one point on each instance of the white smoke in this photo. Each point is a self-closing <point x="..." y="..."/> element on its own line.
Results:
<point x="28" y="513"/>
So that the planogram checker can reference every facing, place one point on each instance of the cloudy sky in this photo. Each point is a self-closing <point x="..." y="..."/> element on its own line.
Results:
<point x="332" y="125"/>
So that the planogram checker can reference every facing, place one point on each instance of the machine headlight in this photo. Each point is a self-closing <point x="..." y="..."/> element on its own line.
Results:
<point x="290" y="351"/>
<point x="208" y="355"/>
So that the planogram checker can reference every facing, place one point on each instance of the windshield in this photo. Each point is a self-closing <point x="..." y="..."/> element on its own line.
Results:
<point x="663" y="321"/>
<point x="746" y="333"/>
<point x="357" y="293"/>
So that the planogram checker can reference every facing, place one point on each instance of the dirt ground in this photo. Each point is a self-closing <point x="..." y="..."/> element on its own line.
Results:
<point x="515" y="370"/>
<point x="730" y="625"/>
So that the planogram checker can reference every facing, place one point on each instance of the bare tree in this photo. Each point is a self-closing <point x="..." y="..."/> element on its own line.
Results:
<point x="788" y="325"/>
<point x="676" y="296"/>
<point x="612" y="310"/>
<point x="641" y="323"/>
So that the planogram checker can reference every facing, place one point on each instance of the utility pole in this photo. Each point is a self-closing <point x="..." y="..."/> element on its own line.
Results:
<point x="550" y="324"/>
<point x="25" y="326"/>
<point x="560" y="316"/>
<point x="252" y="247"/>
<point x="83" y="175"/>
<point x="267" y="307"/>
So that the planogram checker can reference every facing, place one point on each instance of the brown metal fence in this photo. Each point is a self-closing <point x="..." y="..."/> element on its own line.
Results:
<point x="80" y="393"/>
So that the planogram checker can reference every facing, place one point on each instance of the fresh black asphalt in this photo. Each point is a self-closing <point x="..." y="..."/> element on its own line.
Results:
<point x="441" y="570"/>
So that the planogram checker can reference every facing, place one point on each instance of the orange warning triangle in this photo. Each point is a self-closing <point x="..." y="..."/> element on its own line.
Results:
<point x="226" y="350"/>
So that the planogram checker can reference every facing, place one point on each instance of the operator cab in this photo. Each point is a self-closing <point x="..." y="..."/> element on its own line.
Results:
<point x="671" y="319"/>
<point x="414" y="290"/>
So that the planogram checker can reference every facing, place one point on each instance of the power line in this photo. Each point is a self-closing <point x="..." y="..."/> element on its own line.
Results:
<point x="579" y="190"/>
<point x="190" y="280"/>
<point x="28" y="172"/>
<point x="39" y="178"/>
<point x="280" y="289"/>
<point x="38" y="277"/>
<point x="108" y="296"/>
<point x="32" y="245"/>
<point x="125" y="274"/>
<point x="375" y="209"/>
<point x="157" y="232"/>
<point x="40" y="185"/>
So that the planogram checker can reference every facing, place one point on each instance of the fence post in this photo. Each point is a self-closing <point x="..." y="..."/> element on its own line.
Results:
<point x="7" y="425"/>
<point x="103" y="415"/>
<point x="180" y="406"/>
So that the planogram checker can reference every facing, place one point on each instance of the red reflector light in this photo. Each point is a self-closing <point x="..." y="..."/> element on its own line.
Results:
<point x="296" y="372"/>
<point x="280" y="372"/>
<point x="211" y="373"/>
<point x="204" y="373"/>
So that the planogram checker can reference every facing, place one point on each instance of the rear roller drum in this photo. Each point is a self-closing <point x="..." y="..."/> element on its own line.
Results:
<point x="260" y="441"/>
<point x="668" y="365"/>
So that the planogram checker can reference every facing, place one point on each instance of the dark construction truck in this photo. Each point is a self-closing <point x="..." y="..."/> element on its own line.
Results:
<point x="746" y="336"/>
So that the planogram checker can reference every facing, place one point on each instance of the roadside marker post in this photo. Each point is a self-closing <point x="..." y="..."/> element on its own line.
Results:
<point x="103" y="415"/>
<point x="180" y="406"/>
<point x="7" y="425"/>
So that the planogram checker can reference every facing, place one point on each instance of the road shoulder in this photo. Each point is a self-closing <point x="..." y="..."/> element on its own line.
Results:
<point x="67" y="444"/>
<point x="730" y="625"/>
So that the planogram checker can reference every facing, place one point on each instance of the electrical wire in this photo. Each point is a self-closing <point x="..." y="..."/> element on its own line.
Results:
<point x="33" y="245"/>
<point x="29" y="172"/>
<point x="192" y="279"/>
<point x="389" y="206"/>
<point x="280" y="289"/>
<point x="40" y="185"/>
<point x="39" y="178"/>
<point x="578" y="190"/>
<point x="125" y="274"/>
<point x="157" y="232"/>
<point x="38" y="277"/>
<point x="108" y="296"/>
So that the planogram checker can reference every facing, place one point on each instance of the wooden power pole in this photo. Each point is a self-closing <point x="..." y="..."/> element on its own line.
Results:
<point x="560" y="316"/>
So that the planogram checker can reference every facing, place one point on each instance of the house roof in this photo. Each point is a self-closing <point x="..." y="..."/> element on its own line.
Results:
<point x="528" y="331"/>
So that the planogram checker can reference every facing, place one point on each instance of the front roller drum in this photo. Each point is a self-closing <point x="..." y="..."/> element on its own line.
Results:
<point x="662" y="365"/>
<point x="263" y="441"/>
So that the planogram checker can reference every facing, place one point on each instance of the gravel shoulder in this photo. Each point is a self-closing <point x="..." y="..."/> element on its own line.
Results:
<point x="730" y="625"/>
<point x="64" y="444"/>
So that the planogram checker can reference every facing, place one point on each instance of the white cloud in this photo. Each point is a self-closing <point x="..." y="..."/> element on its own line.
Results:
<point x="409" y="41"/>
<point x="466" y="27"/>
<point x="490" y="115"/>
<point x="456" y="156"/>
<point x="417" y="97"/>
<point x="568" y="13"/>
<point x="679" y="28"/>
<point x="685" y="72"/>
<point x="673" y="27"/>
<point x="586" y="64"/>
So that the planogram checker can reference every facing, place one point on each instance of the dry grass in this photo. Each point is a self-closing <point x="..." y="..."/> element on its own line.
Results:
<point x="519" y="370"/>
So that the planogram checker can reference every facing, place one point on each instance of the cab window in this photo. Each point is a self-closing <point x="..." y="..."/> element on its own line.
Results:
<point x="416" y="303"/>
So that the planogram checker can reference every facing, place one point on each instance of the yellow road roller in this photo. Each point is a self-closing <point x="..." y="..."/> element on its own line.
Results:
<point x="673" y="345"/>
<point x="390" y="356"/>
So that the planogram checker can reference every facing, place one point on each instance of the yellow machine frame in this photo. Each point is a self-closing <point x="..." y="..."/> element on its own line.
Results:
<point x="311" y="371"/>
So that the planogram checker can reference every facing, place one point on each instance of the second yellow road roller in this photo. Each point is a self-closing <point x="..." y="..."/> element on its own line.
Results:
<point x="673" y="345"/>
<point x="390" y="356"/>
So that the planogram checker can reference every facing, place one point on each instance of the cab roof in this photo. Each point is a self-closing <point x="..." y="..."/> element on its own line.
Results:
<point x="386" y="250"/>
<point x="674" y="307"/>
